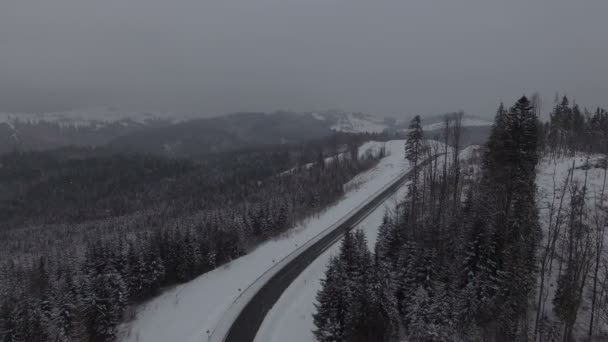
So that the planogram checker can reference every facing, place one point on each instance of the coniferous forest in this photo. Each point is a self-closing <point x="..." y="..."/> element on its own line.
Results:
<point x="83" y="239"/>
<point x="464" y="257"/>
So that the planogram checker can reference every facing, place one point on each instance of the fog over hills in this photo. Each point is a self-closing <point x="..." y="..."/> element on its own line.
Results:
<point x="168" y="134"/>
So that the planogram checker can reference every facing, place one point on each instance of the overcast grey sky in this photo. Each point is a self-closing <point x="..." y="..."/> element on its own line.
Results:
<point x="211" y="57"/>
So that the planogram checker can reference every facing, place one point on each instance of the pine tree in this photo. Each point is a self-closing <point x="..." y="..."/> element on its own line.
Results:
<point x="479" y="278"/>
<point x="414" y="150"/>
<point x="10" y="318"/>
<point x="332" y="305"/>
<point x="358" y="272"/>
<point x="384" y="240"/>
<point x="498" y="269"/>
<point x="106" y="305"/>
<point x="67" y="319"/>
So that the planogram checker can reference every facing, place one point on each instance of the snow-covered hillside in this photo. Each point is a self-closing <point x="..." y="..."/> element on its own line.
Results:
<point x="94" y="116"/>
<point x="189" y="312"/>
<point x="555" y="183"/>
<point x="352" y="122"/>
<point x="466" y="122"/>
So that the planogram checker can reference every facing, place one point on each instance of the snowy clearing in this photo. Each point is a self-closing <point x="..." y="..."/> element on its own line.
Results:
<point x="550" y="181"/>
<point x="190" y="311"/>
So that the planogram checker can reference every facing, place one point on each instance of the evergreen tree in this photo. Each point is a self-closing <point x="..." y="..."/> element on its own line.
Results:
<point x="332" y="305"/>
<point x="414" y="150"/>
<point x="106" y="305"/>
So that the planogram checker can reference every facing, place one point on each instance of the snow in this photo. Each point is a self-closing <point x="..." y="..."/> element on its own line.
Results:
<point x="95" y="117"/>
<point x="358" y="123"/>
<point x="371" y="148"/>
<point x="290" y="319"/>
<point x="466" y="122"/>
<point x="469" y="152"/>
<point x="550" y="180"/>
<point x="367" y="149"/>
<point x="189" y="312"/>
<point x="318" y="116"/>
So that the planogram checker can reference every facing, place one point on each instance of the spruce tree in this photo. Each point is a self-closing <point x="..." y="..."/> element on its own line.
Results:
<point x="414" y="150"/>
<point x="332" y="304"/>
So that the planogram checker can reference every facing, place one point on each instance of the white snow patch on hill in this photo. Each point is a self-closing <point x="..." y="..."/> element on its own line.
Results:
<point x="189" y="311"/>
<point x="469" y="152"/>
<point x="367" y="149"/>
<point x="466" y="122"/>
<point x="318" y="116"/>
<point x="358" y="123"/>
<point x="93" y="117"/>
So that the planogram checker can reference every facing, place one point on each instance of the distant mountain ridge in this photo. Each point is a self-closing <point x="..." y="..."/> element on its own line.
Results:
<point x="93" y="116"/>
<point x="173" y="135"/>
<point x="168" y="134"/>
<point x="435" y="122"/>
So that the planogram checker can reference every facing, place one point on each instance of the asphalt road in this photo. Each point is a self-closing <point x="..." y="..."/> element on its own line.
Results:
<point x="249" y="320"/>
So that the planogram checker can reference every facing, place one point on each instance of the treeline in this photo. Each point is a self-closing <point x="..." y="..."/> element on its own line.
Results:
<point x="72" y="277"/>
<point x="571" y="130"/>
<point x="456" y="260"/>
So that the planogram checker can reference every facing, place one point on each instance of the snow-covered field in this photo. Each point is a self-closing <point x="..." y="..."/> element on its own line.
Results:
<point x="190" y="311"/>
<point x="550" y="181"/>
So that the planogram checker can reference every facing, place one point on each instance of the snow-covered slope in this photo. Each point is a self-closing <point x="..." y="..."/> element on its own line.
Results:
<point x="550" y="180"/>
<point x="466" y="122"/>
<point x="90" y="117"/>
<point x="83" y="127"/>
<point x="352" y="122"/>
<point x="367" y="149"/>
<point x="189" y="312"/>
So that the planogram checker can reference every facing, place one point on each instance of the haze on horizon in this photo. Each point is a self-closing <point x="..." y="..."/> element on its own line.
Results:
<point x="218" y="56"/>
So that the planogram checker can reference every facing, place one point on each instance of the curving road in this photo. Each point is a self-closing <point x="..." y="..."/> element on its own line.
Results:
<point x="246" y="325"/>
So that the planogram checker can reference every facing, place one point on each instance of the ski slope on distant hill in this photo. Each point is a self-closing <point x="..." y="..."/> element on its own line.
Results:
<point x="189" y="312"/>
<point x="352" y="122"/>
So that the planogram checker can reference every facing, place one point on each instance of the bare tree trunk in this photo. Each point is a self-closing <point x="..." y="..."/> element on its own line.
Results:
<point x="553" y="232"/>
<point x="599" y="223"/>
<point x="457" y="132"/>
